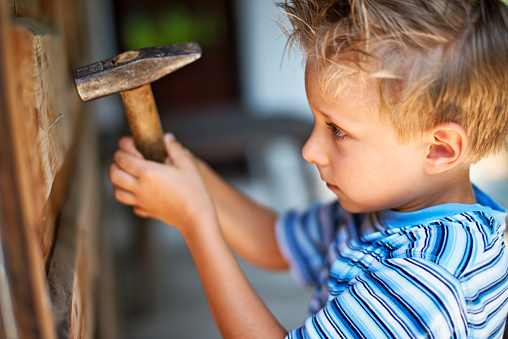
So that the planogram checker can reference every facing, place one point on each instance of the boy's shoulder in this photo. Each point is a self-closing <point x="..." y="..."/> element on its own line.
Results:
<point x="460" y="238"/>
<point x="455" y="246"/>
<point x="485" y="219"/>
<point x="460" y="242"/>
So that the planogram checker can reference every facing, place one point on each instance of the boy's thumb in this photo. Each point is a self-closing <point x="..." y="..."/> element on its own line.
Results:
<point x="169" y="137"/>
<point x="175" y="151"/>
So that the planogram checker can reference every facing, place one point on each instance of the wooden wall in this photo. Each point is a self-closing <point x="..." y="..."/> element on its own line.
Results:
<point x="49" y="184"/>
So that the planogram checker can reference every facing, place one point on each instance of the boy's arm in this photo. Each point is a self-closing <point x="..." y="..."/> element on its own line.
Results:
<point x="247" y="225"/>
<point x="177" y="195"/>
<point x="236" y="307"/>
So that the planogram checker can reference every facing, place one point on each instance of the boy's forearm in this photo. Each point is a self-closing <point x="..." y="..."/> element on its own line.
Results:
<point x="236" y="307"/>
<point x="247" y="226"/>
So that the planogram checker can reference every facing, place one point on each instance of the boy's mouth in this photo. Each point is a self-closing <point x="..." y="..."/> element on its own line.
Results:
<point x="331" y="187"/>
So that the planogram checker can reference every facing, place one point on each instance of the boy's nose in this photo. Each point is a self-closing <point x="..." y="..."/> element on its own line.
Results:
<point x="313" y="150"/>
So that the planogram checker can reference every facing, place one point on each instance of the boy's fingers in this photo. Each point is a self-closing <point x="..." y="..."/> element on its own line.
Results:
<point x="127" y="144"/>
<point x="177" y="153"/>
<point x="124" y="196"/>
<point x="121" y="178"/>
<point x="169" y="137"/>
<point x="130" y="163"/>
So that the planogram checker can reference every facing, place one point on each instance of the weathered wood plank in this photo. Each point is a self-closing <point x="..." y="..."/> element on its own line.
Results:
<point x="20" y="243"/>
<point x="76" y="34"/>
<point x="35" y="89"/>
<point x="28" y="8"/>
<point x="35" y="9"/>
<point x="41" y="69"/>
<point x="62" y="268"/>
<point x="72" y="274"/>
<point x="87" y="265"/>
<point x="46" y="103"/>
<point x="7" y="323"/>
<point x="41" y="126"/>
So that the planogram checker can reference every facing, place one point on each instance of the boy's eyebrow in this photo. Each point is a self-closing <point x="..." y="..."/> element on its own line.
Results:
<point x="348" y="124"/>
<point x="329" y="117"/>
<point x="316" y="109"/>
<point x="336" y="122"/>
<point x="341" y="117"/>
<point x="325" y="115"/>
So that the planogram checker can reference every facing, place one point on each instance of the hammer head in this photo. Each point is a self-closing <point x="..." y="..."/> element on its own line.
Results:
<point x="132" y="69"/>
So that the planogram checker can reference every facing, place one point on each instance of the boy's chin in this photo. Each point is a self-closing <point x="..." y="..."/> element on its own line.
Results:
<point x="353" y="207"/>
<point x="358" y="207"/>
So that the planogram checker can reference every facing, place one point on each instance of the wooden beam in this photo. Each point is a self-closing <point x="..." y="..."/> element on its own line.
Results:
<point x="28" y="8"/>
<point x="48" y="105"/>
<point x="40" y="124"/>
<point x="7" y="320"/>
<point x="73" y="270"/>
<point x="23" y="189"/>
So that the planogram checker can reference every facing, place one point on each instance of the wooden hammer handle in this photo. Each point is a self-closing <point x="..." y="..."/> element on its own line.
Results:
<point x="144" y="122"/>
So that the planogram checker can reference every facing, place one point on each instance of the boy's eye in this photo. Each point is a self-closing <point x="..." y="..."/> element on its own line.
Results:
<point x="337" y="133"/>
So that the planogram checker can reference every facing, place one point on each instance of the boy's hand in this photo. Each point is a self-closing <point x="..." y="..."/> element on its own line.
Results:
<point x="173" y="192"/>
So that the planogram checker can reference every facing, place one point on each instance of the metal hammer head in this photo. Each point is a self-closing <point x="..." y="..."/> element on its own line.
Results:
<point x="132" y="69"/>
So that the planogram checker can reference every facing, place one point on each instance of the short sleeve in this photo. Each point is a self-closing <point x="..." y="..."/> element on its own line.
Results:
<point x="396" y="298"/>
<point x="304" y="238"/>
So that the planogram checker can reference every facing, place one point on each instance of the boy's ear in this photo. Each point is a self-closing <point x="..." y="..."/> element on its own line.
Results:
<point x="447" y="147"/>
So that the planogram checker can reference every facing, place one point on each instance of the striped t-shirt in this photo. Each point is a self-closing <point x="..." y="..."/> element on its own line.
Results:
<point x="440" y="272"/>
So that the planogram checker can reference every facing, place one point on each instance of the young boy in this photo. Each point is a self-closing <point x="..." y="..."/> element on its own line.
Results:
<point x="406" y="95"/>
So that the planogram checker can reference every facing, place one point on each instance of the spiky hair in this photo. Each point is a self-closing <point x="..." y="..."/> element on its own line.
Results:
<point x="435" y="61"/>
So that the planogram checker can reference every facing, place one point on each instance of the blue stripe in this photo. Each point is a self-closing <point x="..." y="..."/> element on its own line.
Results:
<point x="373" y="313"/>
<point x="402" y="304"/>
<point x="353" y="328"/>
<point x="429" y="291"/>
<point x="468" y="252"/>
<point x="378" y="257"/>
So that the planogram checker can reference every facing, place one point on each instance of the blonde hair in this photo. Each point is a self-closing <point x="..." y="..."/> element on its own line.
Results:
<point x="435" y="61"/>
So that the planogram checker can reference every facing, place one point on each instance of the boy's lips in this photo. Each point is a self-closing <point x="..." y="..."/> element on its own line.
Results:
<point x="331" y="187"/>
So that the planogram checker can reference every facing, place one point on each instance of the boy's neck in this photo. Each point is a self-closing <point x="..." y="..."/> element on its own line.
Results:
<point x="454" y="186"/>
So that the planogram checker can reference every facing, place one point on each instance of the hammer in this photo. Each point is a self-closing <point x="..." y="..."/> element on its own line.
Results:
<point x="130" y="74"/>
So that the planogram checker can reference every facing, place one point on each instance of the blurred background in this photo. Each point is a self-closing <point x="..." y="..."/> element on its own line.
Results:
<point x="242" y="108"/>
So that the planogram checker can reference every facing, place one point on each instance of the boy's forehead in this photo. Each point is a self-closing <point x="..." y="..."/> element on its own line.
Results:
<point x="332" y="87"/>
<point x="350" y="98"/>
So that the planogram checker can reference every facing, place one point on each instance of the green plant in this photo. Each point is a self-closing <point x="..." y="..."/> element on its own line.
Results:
<point x="175" y="24"/>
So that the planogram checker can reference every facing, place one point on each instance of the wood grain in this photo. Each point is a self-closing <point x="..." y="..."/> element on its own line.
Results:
<point x="27" y="8"/>
<point x="45" y="98"/>
<point x="73" y="270"/>
<point x="144" y="122"/>
<point x="20" y="207"/>
<point x="41" y="126"/>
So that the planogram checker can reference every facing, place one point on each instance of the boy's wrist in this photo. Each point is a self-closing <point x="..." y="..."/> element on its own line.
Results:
<point x="205" y="221"/>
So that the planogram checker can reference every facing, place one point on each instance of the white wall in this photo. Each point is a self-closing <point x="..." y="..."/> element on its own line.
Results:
<point x="272" y="81"/>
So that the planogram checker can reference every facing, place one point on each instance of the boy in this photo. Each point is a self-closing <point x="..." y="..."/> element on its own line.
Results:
<point x="405" y="94"/>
